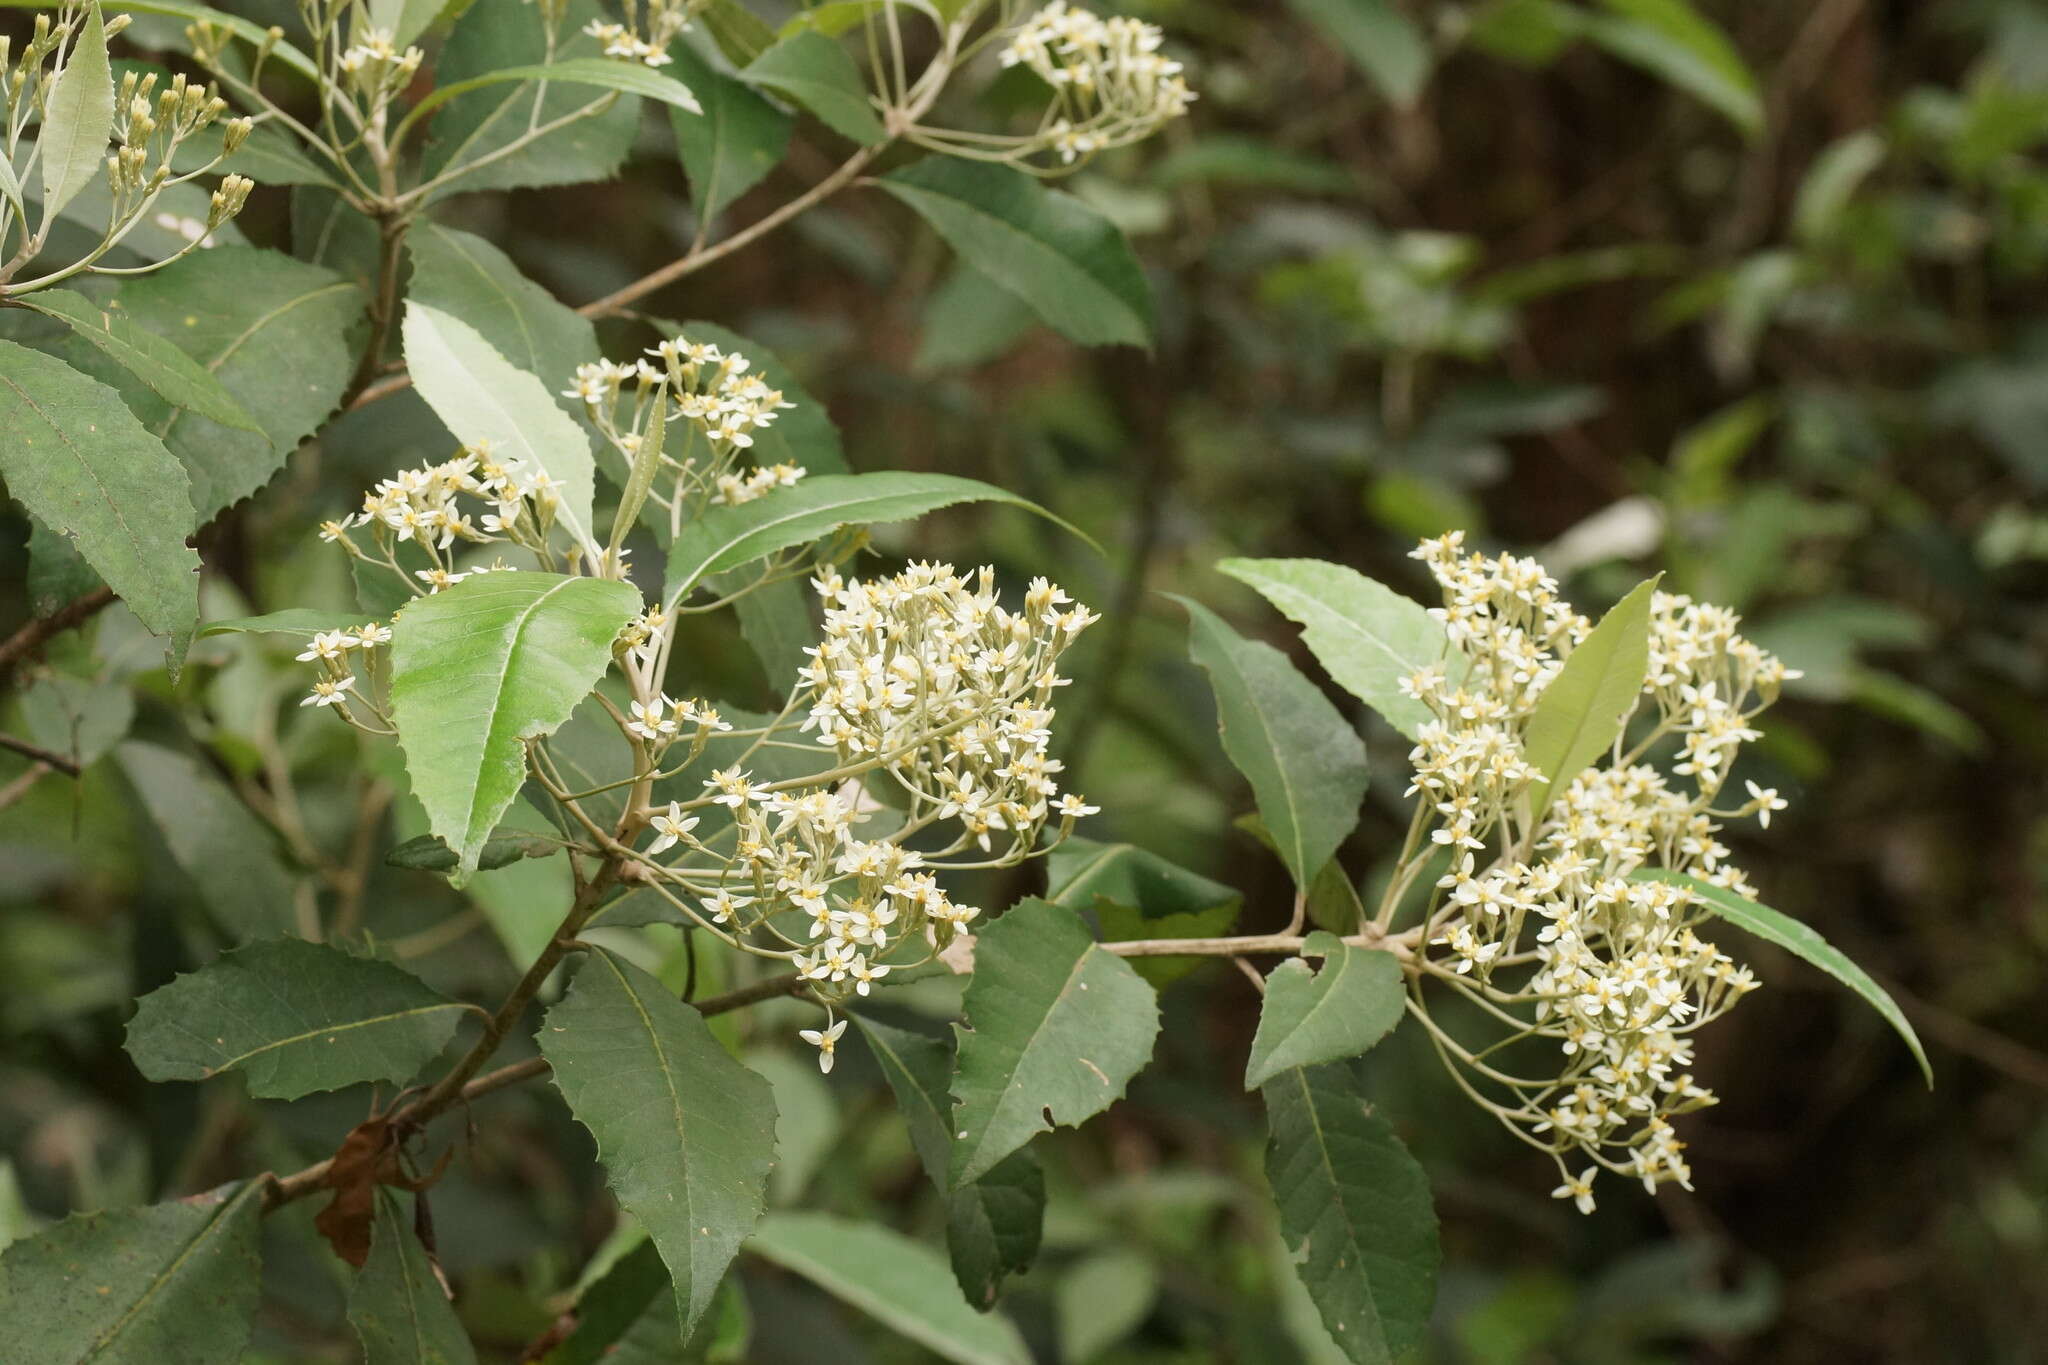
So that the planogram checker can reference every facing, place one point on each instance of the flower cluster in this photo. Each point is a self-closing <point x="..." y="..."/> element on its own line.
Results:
<point x="922" y="679"/>
<point x="929" y="674"/>
<point x="333" y="653"/>
<point x="426" y="508"/>
<point x="1565" y="925"/>
<point x="720" y="401"/>
<point x="150" y="126"/>
<point x="634" y="42"/>
<point x="376" y="69"/>
<point x="1110" y="84"/>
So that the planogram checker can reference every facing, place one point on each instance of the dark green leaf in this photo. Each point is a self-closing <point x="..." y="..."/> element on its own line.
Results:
<point x="900" y="1283"/>
<point x="175" y="376"/>
<point x="74" y="455"/>
<point x="602" y="73"/>
<point x="1312" y="1017"/>
<point x="468" y="278"/>
<point x="1675" y="42"/>
<point x="970" y="320"/>
<point x="734" y="143"/>
<point x="1354" y="1211"/>
<point x="1305" y="763"/>
<point x="398" y="1306"/>
<point x="1802" y="942"/>
<point x="993" y="1226"/>
<point x="1064" y="259"/>
<point x="1055" y="1027"/>
<point x="294" y="1018"/>
<point x="274" y="332"/>
<point x="171" y="1284"/>
<point x="230" y="855"/>
<point x="686" y="1133"/>
<point x="816" y="72"/>
<point x="505" y="847"/>
<point x="919" y="1070"/>
<point x="480" y="668"/>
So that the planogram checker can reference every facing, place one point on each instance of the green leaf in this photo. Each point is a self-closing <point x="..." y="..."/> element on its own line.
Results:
<point x="1309" y="1018"/>
<point x="466" y="277"/>
<point x="734" y="143"/>
<point x="1383" y="42"/>
<point x="175" y="376"/>
<point x="900" y="1283"/>
<point x="170" y="1284"/>
<point x="473" y="135"/>
<point x="1083" y="873"/>
<point x="603" y="73"/>
<point x="1056" y="1026"/>
<point x="398" y="1306"/>
<point x="970" y="320"/>
<point x="268" y="156"/>
<point x="1354" y="1212"/>
<point x="993" y="1226"/>
<point x="478" y="669"/>
<point x="686" y="1133"/>
<point x="481" y="396"/>
<point x="406" y="20"/>
<point x="506" y="846"/>
<point x="740" y="34"/>
<point x="775" y="621"/>
<point x="1366" y="635"/>
<point x="1587" y="703"/>
<point x="284" y="53"/>
<point x="294" y="1018"/>
<point x="79" y="717"/>
<point x="307" y="621"/>
<point x="1799" y="940"/>
<point x="816" y="72"/>
<point x="78" y="117"/>
<point x="1673" y="41"/>
<point x="607" y="1310"/>
<point x="1305" y="763"/>
<point x="276" y="334"/>
<point x="919" y="1070"/>
<point x="230" y="855"/>
<point x="1064" y="259"/>
<point x="727" y="537"/>
<point x="73" y="454"/>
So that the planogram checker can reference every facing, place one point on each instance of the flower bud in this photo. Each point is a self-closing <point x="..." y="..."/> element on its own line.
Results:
<point x="118" y="23"/>
<point x="235" y="133"/>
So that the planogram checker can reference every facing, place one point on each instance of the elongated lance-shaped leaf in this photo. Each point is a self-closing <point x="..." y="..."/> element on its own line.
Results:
<point x="177" y="378"/>
<point x="1365" y="634"/>
<point x="293" y="1018"/>
<point x="900" y="1283"/>
<point x="1354" y="1212"/>
<point x="686" y="1133"/>
<point x="1587" y="703"/>
<point x="170" y="1284"/>
<point x="1800" y="940"/>
<point x="289" y="621"/>
<point x="1308" y="1018"/>
<point x="1305" y="763"/>
<point x="397" y="1305"/>
<point x="279" y="336"/>
<point x="72" y="453"/>
<point x="1671" y="39"/>
<point x="483" y="398"/>
<point x="482" y="667"/>
<point x="727" y="537"/>
<point x="628" y="78"/>
<point x="1056" y="1026"/>
<point x="816" y="72"/>
<point x="1068" y="262"/>
<point x="78" y="117"/>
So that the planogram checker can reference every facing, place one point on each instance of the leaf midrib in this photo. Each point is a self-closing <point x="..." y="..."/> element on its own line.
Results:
<point x="157" y="1282"/>
<point x="1329" y="1163"/>
<point x="336" y="1028"/>
<point x="1043" y="251"/>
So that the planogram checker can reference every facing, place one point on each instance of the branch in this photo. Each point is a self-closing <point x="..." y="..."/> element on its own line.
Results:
<point x="48" y="758"/>
<point x="18" y="647"/>
<point x="285" y="1189"/>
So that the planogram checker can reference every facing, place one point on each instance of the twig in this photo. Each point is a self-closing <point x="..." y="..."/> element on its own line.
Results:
<point x="20" y="786"/>
<point x="46" y="757"/>
<point x="23" y="644"/>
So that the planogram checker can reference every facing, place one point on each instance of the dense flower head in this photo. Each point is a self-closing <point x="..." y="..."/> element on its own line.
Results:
<point x="1549" y="915"/>
<point x="645" y="39"/>
<point x="931" y="653"/>
<point x="436" y="506"/>
<point x="1111" y="84"/>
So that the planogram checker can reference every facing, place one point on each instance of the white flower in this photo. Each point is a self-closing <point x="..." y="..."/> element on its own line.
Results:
<point x="1764" y="800"/>
<point x="328" y="692"/>
<point x="329" y="644"/>
<point x="670" y="827"/>
<point x="1579" y="1191"/>
<point x="825" y="1040"/>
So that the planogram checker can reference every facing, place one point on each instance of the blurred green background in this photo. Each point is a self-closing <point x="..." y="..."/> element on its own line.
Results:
<point x="1769" y="318"/>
